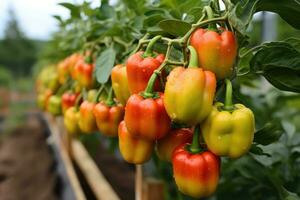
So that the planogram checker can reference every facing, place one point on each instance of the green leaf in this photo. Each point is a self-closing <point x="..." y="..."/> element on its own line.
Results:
<point x="287" y="195"/>
<point x="241" y="14"/>
<point x="289" y="10"/>
<point x="258" y="151"/>
<point x="175" y="27"/>
<point x="268" y="134"/>
<point x="75" y="10"/>
<point x="279" y="63"/>
<point x="104" y="64"/>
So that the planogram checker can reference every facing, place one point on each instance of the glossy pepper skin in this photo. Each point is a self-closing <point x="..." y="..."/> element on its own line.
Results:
<point x="168" y="144"/>
<point x="71" y="120"/>
<point x="63" y="71"/>
<point x="108" y="118"/>
<point x="216" y="51"/>
<point x="147" y="118"/>
<point x="189" y="94"/>
<point x="43" y="99"/>
<point x="87" y="122"/>
<point x="229" y="133"/>
<point x="54" y="105"/>
<point x="140" y="69"/>
<point x="120" y="83"/>
<point x="68" y="100"/>
<point x="134" y="150"/>
<point x="196" y="175"/>
<point x="84" y="73"/>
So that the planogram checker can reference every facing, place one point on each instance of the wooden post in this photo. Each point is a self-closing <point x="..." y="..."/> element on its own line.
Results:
<point x="138" y="182"/>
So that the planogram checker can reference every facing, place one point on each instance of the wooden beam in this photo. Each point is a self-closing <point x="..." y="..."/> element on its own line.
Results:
<point x="99" y="185"/>
<point x="79" y="194"/>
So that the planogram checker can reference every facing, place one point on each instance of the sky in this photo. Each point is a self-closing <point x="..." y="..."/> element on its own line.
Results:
<point x="34" y="16"/>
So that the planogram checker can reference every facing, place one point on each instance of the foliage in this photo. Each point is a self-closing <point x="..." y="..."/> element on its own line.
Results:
<point x="17" y="53"/>
<point x="111" y="33"/>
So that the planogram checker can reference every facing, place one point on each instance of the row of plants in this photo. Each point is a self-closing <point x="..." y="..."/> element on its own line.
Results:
<point x="176" y="81"/>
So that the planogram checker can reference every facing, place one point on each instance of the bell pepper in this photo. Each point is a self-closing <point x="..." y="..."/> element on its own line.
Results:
<point x="140" y="66"/>
<point x="145" y="114"/>
<point x="43" y="99"/>
<point x="176" y="137"/>
<point x="189" y="92"/>
<point x="229" y="129"/>
<point x="134" y="150"/>
<point x="216" y="51"/>
<point x="52" y="80"/>
<point x="63" y="71"/>
<point x="84" y="73"/>
<point x="120" y="83"/>
<point x="196" y="171"/>
<point x="108" y="116"/>
<point x="68" y="100"/>
<point x="54" y="105"/>
<point x="87" y="122"/>
<point x="71" y="120"/>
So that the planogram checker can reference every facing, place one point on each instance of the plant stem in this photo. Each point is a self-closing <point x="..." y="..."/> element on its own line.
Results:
<point x="148" y="93"/>
<point x="193" y="57"/>
<point x="228" y="98"/>
<point x="148" y="51"/>
<point x="101" y="89"/>
<point x="110" y="99"/>
<point x="195" y="146"/>
<point x="210" y="15"/>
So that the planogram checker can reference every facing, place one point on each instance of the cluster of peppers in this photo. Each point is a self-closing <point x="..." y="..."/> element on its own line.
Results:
<point x="140" y="109"/>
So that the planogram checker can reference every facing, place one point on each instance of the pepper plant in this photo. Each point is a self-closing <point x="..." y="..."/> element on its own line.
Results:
<point x="173" y="61"/>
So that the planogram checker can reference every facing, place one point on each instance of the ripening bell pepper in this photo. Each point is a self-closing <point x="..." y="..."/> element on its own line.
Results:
<point x="68" y="100"/>
<point x="216" y="51"/>
<point x="168" y="144"/>
<point x="108" y="116"/>
<point x="140" y="66"/>
<point x="87" y="122"/>
<point x="196" y="171"/>
<point x="189" y="92"/>
<point x="120" y="83"/>
<point x="43" y="99"/>
<point x="147" y="118"/>
<point x="229" y="129"/>
<point x="63" y="71"/>
<point x="71" y="120"/>
<point x="145" y="114"/>
<point x="84" y="73"/>
<point x="54" y="105"/>
<point x="134" y="150"/>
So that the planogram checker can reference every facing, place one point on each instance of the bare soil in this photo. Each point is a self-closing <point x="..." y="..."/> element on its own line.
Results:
<point x="26" y="164"/>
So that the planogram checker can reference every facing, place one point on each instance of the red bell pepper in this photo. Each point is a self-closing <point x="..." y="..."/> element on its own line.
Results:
<point x="196" y="172"/>
<point x="108" y="115"/>
<point x="134" y="150"/>
<point x="140" y="66"/>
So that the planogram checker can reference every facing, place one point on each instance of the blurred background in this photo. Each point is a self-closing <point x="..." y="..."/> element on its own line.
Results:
<point x="26" y="26"/>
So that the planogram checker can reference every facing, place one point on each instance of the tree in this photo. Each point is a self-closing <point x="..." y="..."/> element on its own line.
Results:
<point x="17" y="53"/>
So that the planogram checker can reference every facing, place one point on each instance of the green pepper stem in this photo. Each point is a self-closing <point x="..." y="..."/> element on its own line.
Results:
<point x="193" y="57"/>
<point x="210" y="15"/>
<point x="148" y="92"/>
<point x="228" y="98"/>
<point x="148" y="51"/>
<point x="101" y="89"/>
<point x="195" y="146"/>
<point x="110" y="99"/>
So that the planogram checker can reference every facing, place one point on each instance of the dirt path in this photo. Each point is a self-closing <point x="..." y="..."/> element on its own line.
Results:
<point x="26" y="165"/>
